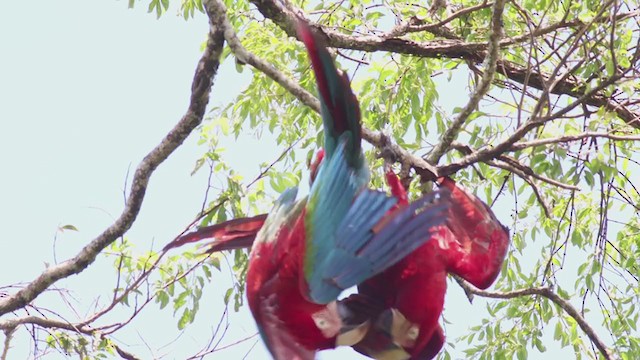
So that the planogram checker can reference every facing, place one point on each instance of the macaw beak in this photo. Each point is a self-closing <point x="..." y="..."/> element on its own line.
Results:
<point x="351" y="334"/>
<point x="355" y="313"/>
<point x="388" y="337"/>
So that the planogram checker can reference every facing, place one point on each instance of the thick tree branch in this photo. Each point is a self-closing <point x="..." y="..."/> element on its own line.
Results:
<point x="549" y="294"/>
<point x="201" y="86"/>
<point x="492" y="152"/>
<point x="474" y="52"/>
<point x="568" y="138"/>
<point x="481" y="90"/>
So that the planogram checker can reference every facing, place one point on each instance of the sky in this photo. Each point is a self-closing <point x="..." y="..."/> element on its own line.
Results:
<point x="87" y="88"/>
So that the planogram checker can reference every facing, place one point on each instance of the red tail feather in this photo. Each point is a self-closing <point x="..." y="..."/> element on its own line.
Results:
<point x="232" y="234"/>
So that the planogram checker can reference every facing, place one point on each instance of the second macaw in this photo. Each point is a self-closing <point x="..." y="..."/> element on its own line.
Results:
<point x="407" y="299"/>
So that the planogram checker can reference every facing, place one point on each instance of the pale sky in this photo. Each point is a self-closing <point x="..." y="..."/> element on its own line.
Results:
<point x="87" y="88"/>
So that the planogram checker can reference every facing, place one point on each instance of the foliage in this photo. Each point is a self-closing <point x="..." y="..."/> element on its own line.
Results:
<point x="559" y="124"/>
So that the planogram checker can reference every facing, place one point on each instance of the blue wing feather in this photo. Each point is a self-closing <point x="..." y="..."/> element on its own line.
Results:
<point x="361" y="253"/>
<point x="330" y="198"/>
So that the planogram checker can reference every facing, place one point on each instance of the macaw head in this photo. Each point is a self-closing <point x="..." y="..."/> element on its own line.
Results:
<point x="304" y="334"/>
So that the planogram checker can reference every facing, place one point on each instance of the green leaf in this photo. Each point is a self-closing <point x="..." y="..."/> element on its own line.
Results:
<point x="185" y="319"/>
<point x="558" y="333"/>
<point x="68" y="227"/>
<point x="163" y="299"/>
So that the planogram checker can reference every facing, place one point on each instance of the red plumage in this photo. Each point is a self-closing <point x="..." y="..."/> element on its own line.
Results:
<point x="276" y="269"/>
<point x="228" y="235"/>
<point x="410" y="294"/>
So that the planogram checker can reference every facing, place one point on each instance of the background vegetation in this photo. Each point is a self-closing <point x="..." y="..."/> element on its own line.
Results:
<point x="547" y="133"/>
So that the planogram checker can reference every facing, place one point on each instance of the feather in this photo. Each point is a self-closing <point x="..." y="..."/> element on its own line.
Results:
<point x="339" y="106"/>
<point x="232" y="234"/>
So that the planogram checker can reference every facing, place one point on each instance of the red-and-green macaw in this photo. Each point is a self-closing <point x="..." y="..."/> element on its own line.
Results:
<point x="309" y="250"/>
<point x="407" y="299"/>
<point x="471" y="244"/>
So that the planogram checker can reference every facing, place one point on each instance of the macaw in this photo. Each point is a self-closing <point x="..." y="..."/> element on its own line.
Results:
<point x="407" y="299"/>
<point x="308" y="251"/>
<point x="471" y="244"/>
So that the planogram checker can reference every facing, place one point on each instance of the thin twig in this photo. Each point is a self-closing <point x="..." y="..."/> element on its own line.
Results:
<point x="549" y="294"/>
<point x="8" y="335"/>
<point x="201" y="86"/>
<point x="568" y="138"/>
<point x="485" y="83"/>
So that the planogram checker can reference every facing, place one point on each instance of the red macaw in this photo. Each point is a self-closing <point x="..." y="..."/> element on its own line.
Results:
<point x="308" y="251"/>
<point x="407" y="299"/>
<point x="472" y="245"/>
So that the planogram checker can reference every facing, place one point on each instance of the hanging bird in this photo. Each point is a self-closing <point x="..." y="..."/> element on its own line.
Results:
<point x="308" y="251"/>
<point x="407" y="299"/>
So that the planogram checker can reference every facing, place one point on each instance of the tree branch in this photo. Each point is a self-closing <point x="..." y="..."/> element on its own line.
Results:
<point x="10" y="325"/>
<point x="8" y="335"/>
<point x="549" y="294"/>
<point x="375" y="138"/>
<point x="568" y="138"/>
<point x="491" y="152"/>
<point x="417" y="25"/>
<point x="285" y="18"/>
<point x="485" y="82"/>
<point x="201" y="86"/>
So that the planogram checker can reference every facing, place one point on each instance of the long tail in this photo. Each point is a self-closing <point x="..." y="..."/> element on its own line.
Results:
<point x="339" y="106"/>
<point x="233" y="234"/>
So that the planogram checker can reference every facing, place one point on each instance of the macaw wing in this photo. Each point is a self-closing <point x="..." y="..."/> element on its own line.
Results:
<point x="348" y="242"/>
<point x="285" y="212"/>
<point x="480" y="242"/>
<point x="368" y="241"/>
<point x="232" y="234"/>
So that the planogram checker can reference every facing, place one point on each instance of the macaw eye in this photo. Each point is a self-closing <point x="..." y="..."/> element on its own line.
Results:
<point x="413" y="333"/>
<point x="321" y="323"/>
